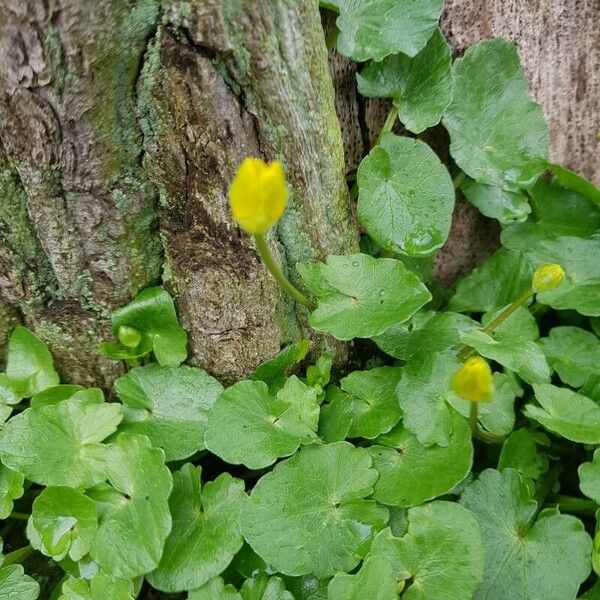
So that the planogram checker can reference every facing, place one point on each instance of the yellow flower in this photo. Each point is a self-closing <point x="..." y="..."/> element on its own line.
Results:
<point x="258" y="195"/>
<point x="473" y="380"/>
<point x="547" y="277"/>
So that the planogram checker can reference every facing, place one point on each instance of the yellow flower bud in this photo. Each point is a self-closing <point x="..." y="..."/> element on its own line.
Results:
<point x="547" y="277"/>
<point x="258" y="195"/>
<point x="473" y="380"/>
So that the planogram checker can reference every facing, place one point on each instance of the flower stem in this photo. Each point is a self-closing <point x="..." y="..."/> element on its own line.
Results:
<point x="481" y="434"/>
<point x="572" y="504"/>
<point x="17" y="556"/>
<point x="494" y="323"/>
<point x="275" y="270"/>
<point x="388" y="125"/>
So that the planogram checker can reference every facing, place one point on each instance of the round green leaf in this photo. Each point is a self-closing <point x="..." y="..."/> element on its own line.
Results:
<point x="498" y="135"/>
<point x="361" y="296"/>
<point x="420" y="87"/>
<point x="406" y="196"/>
<point x="29" y="364"/>
<point x="246" y="425"/>
<point x="520" y="452"/>
<point x="309" y="515"/>
<point x="15" y="585"/>
<point x="63" y="522"/>
<point x="440" y="557"/>
<point x="373" y="29"/>
<point x="11" y="488"/>
<point x="589" y="478"/>
<point x="263" y="587"/>
<point x="566" y="413"/>
<point x="495" y="202"/>
<point x="205" y="534"/>
<point x="55" y="394"/>
<point x="215" y="589"/>
<point x="525" y="558"/>
<point x="336" y="415"/>
<point x="424" y="394"/>
<point x="99" y="587"/>
<point x="168" y="404"/>
<point x="375" y="580"/>
<point x="411" y="473"/>
<point x="134" y="513"/>
<point x="375" y="407"/>
<point x="59" y="444"/>
<point x="573" y="353"/>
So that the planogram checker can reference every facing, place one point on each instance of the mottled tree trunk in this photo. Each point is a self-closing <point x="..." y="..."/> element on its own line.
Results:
<point x="121" y="126"/>
<point x="122" y="123"/>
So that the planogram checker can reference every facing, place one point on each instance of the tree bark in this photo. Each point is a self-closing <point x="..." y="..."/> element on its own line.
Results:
<point x="122" y="124"/>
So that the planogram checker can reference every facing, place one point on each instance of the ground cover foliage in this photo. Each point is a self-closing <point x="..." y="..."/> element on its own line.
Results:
<point x="307" y="482"/>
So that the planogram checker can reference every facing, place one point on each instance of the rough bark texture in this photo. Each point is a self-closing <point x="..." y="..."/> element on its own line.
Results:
<point x="121" y="125"/>
<point x="559" y="47"/>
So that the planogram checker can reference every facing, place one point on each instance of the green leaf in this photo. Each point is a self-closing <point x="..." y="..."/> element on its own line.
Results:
<point x="520" y="452"/>
<point x="375" y="407"/>
<point x="573" y="353"/>
<point x="263" y="587"/>
<point x="394" y="340"/>
<point x="361" y="296"/>
<point x="520" y="355"/>
<point x="566" y="413"/>
<point x="582" y="297"/>
<point x="497" y="415"/>
<point x="319" y="374"/>
<point x="274" y="372"/>
<point x="29" y="364"/>
<point x="406" y="196"/>
<point x="63" y="522"/>
<point x="498" y="281"/>
<point x="495" y="202"/>
<point x="420" y="87"/>
<point x="374" y="29"/>
<point x="134" y="526"/>
<point x="424" y="393"/>
<point x="168" y="404"/>
<point x="100" y="587"/>
<point x="411" y="473"/>
<point x="498" y="135"/>
<point x="205" y="535"/>
<point x="246" y="425"/>
<point x="336" y="415"/>
<point x="318" y="494"/>
<point x="441" y="554"/>
<point x="441" y="332"/>
<point x="215" y="589"/>
<point x="15" y="585"/>
<point x="576" y="182"/>
<point x="8" y="396"/>
<point x="589" y="477"/>
<point x="11" y="488"/>
<point x="525" y="558"/>
<point x="55" y="394"/>
<point x="152" y="314"/>
<point x="375" y="580"/>
<point x="308" y="587"/>
<point x="59" y="444"/>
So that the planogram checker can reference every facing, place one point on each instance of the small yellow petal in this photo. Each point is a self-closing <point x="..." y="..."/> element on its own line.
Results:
<point x="547" y="277"/>
<point x="473" y="381"/>
<point x="258" y="195"/>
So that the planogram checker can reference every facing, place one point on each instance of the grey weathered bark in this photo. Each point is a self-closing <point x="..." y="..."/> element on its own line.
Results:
<point x="122" y="124"/>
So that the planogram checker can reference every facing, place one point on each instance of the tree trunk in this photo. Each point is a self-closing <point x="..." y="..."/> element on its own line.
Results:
<point x="122" y="123"/>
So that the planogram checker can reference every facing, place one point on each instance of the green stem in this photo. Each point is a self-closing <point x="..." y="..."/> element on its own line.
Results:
<point x="17" y="556"/>
<point x="388" y="125"/>
<point x="458" y="179"/>
<point x="480" y="434"/>
<point x="571" y="504"/>
<point x="20" y="516"/>
<point x="473" y="418"/>
<point x="494" y="323"/>
<point x="275" y="270"/>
